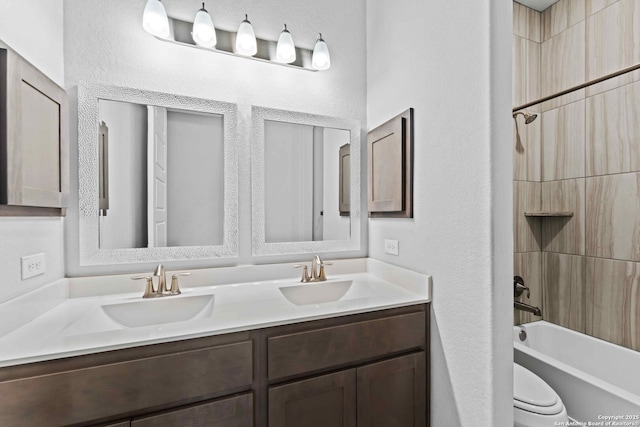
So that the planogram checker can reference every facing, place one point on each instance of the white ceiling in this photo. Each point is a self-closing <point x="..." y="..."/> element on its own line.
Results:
<point x="538" y="5"/>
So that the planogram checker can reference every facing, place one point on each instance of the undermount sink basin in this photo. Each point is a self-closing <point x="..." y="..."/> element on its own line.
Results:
<point x="316" y="293"/>
<point x="160" y="310"/>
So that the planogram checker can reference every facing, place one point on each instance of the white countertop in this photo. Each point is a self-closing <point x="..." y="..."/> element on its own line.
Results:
<point x="76" y="324"/>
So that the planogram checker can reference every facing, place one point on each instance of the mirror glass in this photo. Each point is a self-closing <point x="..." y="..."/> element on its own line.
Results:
<point x="305" y="182"/>
<point x="302" y="182"/>
<point x="158" y="176"/>
<point x="162" y="175"/>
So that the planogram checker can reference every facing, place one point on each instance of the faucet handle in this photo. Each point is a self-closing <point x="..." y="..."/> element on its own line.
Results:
<point x="322" y="276"/>
<point x="519" y="287"/>
<point x="305" y="272"/>
<point x="148" y="289"/>
<point x="175" y="286"/>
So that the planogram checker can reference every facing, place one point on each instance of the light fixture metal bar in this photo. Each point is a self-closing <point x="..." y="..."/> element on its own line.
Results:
<point x="226" y="40"/>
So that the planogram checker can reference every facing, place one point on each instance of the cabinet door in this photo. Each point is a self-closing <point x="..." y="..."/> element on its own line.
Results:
<point x="232" y="412"/>
<point x="393" y="393"/>
<point x="390" y="163"/>
<point x="326" y="401"/>
<point x="34" y="143"/>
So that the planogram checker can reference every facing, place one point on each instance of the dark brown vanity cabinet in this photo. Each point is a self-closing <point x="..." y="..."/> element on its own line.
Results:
<point x="366" y="369"/>
<point x="368" y="393"/>
<point x="234" y="411"/>
<point x="130" y="383"/>
<point x="324" y="401"/>
<point x="388" y="393"/>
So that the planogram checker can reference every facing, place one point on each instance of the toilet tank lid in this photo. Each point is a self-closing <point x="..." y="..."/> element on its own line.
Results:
<point x="531" y="389"/>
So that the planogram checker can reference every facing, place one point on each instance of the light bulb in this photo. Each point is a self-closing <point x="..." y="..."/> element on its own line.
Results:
<point x="154" y="19"/>
<point x="286" y="49"/>
<point x="246" y="43"/>
<point x="321" y="60"/>
<point x="204" y="33"/>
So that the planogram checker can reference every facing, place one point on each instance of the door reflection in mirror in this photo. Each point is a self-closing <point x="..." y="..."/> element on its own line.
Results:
<point x="166" y="177"/>
<point x="302" y="182"/>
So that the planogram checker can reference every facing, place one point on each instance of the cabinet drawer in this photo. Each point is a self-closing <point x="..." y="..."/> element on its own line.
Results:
<point x="321" y="349"/>
<point x="232" y="412"/>
<point x="82" y="395"/>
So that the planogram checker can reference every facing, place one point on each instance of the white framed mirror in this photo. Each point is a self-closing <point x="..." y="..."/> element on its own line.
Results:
<point x="305" y="183"/>
<point x="158" y="176"/>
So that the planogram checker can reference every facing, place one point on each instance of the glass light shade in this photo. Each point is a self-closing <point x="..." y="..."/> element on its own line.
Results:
<point x="321" y="60"/>
<point x="154" y="19"/>
<point x="204" y="33"/>
<point x="286" y="49"/>
<point x="246" y="43"/>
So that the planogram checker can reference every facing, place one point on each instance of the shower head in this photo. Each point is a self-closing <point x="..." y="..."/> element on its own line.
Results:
<point x="528" y="117"/>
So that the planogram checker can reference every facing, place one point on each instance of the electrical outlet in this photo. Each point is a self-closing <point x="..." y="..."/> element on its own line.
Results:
<point x="33" y="265"/>
<point x="391" y="247"/>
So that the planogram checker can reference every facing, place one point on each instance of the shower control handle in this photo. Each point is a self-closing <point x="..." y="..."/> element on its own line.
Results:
<point x="519" y="287"/>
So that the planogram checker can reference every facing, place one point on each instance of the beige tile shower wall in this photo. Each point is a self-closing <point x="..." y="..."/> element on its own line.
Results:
<point x="613" y="131"/>
<point x="613" y="217"/>
<point x="526" y="230"/>
<point x="527" y="156"/>
<point x="529" y="266"/>
<point x="525" y="82"/>
<point x="563" y="142"/>
<point x="526" y="22"/>
<point x="562" y="60"/>
<point x="561" y="16"/>
<point x="527" y="150"/>
<point x="613" y="311"/>
<point x="564" y="290"/>
<point x="564" y="234"/>
<point x="612" y="38"/>
<point x="593" y="6"/>
<point x="590" y="165"/>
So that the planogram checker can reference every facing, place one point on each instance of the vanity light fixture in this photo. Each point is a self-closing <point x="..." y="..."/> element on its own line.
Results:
<point x="246" y="43"/>
<point x="155" y="20"/>
<point x="321" y="60"/>
<point x="286" y="49"/>
<point x="204" y="33"/>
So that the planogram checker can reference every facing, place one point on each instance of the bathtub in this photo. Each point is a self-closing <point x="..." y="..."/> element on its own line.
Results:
<point x="595" y="379"/>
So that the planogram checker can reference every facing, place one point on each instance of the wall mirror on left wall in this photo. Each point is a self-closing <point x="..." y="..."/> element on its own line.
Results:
<point x="159" y="176"/>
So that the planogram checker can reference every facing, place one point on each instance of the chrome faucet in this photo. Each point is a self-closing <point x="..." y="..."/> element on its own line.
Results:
<point x="161" y="290"/>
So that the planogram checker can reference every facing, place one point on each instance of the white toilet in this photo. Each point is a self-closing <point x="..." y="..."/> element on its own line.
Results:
<point x="535" y="403"/>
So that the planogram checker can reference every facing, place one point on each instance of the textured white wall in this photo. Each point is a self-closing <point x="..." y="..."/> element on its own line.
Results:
<point x="33" y="28"/>
<point x="115" y="50"/>
<point x="41" y="44"/>
<point x="451" y="61"/>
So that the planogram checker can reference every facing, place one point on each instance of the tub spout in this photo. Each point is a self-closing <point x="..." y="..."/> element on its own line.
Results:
<point x="526" y="307"/>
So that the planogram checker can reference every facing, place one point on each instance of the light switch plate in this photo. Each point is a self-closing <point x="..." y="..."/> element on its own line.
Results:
<point x="391" y="247"/>
<point x="33" y="265"/>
